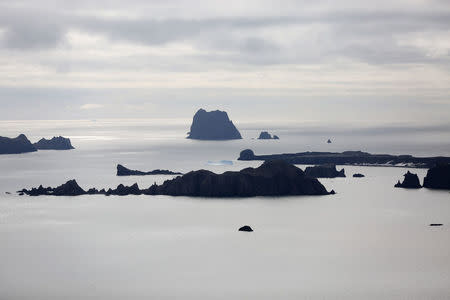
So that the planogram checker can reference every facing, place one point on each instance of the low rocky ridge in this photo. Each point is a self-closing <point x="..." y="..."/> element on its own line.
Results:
<point x="272" y="178"/>
<point x="55" y="143"/>
<point x="123" y="171"/>
<point x="264" y="135"/>
<point x="246" y="228"/>
<point x="358" y="175"/>
<point x="213" y="125"/>
<point x="324" y="171"/>
<point x="357" y="158"/>
<point x="411" y="181"/>
<point x="20" y="144"/>
<point x="438" y="177"/>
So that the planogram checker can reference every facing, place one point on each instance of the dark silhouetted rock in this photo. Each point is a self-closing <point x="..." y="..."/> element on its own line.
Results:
<point x="438" y="177"/>
<point x="56" y="143"/>
<point x="332" y="192"/>
<point x="411" y="181"/>
<point x="272" y="178"/>
<point x="356" y="158"/>
<point x="324" y="171"/>
<point x="16" y="145"/>
<point x="358" y="175"/>
<point x="329" y="141"/>
<point x="436" y="224"/>
<point x="123" y="171"/>
<point x="264" y="135"/>
<point x="213" y="125"/>
<point x="246" y="228"/>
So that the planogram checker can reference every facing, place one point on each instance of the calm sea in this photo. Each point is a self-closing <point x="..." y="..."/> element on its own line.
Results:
<point x="369" y="241"/>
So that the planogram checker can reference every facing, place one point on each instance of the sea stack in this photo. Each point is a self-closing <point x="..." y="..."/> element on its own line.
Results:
<point x="56" y="143"/>
<point x="438" y="177"/>
<point x="20" y="144"/>
<point x="213" y="125"/>
<point x="411" y="181"/>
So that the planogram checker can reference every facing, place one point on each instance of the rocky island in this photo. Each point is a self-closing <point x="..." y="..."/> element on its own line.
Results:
<point x="324" y="171"/>
<point x="411" y="181"/>
<point x="17" y="145"/>
<point x="213" y="125"/>
<point x="357" y="158"/>
<point x="438" y="177"/>
<point x="55" y="143"/>
<point x="272" y="178"/>
<point x="358" y="175"/>
<point x="123" y="171"/>
<point x="264" y="135"/>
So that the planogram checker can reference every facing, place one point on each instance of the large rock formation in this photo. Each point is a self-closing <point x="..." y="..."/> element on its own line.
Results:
<point x="324" y="171"/>
<point x="411" y="181"/>
<point x="272" y="178"/>
<point x="264" y="135"/>
<point x="356" y="158"/>
<point x="123" y="171"/>
<point x="20" y="144"/>
<point x="213" y="125"/>
<point x="438" y="177"/>
<point x="56" y="143"/>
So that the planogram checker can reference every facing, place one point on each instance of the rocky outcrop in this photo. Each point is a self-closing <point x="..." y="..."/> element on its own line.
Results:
<point x="246" y="228"/>
<point x="55" y="143"/>
<point x="20" y="144"/>
<point x="123" y="171"/>
<point x="324" y="171"/>
<point x="438" y="177"/>
<point x="358" y="175"/>
<point x="213" y="125"/>
<point x="357" y="158"/>
<point x="329" y="141"/>
<point x="264" y="135"/>
<point x="411" y="181"/>
<point x="272" y="178"/>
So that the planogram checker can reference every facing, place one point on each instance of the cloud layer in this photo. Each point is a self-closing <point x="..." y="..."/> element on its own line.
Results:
<point x="310" y="48"/>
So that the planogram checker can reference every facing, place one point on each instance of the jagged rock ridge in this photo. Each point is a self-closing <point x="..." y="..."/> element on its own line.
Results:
<point x="272" y="178"/>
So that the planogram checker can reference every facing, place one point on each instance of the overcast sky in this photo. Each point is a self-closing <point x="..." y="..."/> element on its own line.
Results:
<point x="377" y="61"/>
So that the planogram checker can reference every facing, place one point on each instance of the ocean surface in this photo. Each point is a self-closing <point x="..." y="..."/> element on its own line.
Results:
<point x="369" y="241"/>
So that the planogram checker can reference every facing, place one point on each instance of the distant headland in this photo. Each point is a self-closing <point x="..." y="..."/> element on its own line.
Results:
<point x="358" y="158"/>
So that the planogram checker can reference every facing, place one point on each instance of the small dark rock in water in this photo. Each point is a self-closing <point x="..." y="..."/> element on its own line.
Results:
<point x="56" y="143"/>
<point x="264" y="135"/>
<point x="213" y="125"/>
<point x="438" y="177"/>
<point x="20" y="144"/>
<point x="324" y="171"/>
<point x="123" y="171"/>
<point x="411" y="181"/>
<point x="8" y="193"/>
<point x="435" y="224"/>
<point x="332" y="192"/>
<point x="329" y="141"/>
<point x="246" y="228"/>
<point x="358" y="175"/>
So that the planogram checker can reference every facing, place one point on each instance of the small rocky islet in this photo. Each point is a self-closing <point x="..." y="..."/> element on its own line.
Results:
<point x="265" y="135"/>
<point x="272" y="178"/>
